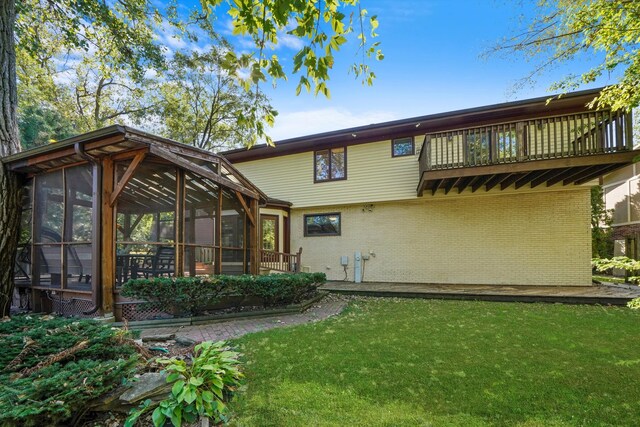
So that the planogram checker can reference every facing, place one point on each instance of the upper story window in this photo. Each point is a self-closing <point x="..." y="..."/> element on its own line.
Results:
<point x="402" y="147"/>
<point x="330" y="164"/>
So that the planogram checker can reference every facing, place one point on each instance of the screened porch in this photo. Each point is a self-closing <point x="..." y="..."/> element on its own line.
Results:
<point x="119" y="204"/>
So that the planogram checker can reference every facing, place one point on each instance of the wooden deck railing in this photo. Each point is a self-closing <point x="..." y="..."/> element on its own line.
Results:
<point x="572" y="135"/>
<point x="280" y="261"/>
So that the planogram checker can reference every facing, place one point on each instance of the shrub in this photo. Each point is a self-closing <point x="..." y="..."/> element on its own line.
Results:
<point x="51" y="367"/>
<point x="632" y="266"/>
<point x="199" y="388"/>
<point x="193" y="294"/>
<point x="282" y="289"/>
<point x="185" y="294"/>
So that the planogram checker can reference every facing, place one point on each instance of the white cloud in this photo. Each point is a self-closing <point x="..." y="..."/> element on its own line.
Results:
<point x="289" y="41"/>
<point x="301" y="123"/>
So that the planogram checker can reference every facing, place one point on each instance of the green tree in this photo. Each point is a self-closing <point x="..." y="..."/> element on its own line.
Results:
<point x="605" y="31"/>
<point x="205" y="106"/>
<point x="322" y="25"/>
<point x="601" y="219"/>
<point x="40" y="125"/>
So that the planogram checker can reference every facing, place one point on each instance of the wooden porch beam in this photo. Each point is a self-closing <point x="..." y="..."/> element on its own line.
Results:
<point x="496" y="179"/>
<point x="464" y="183"/>
<point x="624" y="157"/>
<point x="246" y="208"/>
<point x="128" y="154"/>
<point x="546" y="176"/>
<point x="436" y="186"/>
<point x="596" y="174"/>
<point x="67" y="152"/>
<point x="510" y="180"/>
<point x="482" y="180"/>
<point x="128" y="174"/>
<point x="452" y="183"/>
<point x="580" y="174"/>
<point x="566" y="174"/>
<point x="528" y="178"/>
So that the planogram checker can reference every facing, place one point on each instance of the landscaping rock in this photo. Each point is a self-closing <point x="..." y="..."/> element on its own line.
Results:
<point x="153" y="338"/>
<point x="148" y="386"/>
<point x="185" y="342"/>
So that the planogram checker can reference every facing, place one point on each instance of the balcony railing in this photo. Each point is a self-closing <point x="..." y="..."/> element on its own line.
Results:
<point x="280" y="261"/>
<point x="573" y="135"/>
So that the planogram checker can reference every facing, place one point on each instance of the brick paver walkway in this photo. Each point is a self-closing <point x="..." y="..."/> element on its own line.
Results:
<point x="236" y="328"/>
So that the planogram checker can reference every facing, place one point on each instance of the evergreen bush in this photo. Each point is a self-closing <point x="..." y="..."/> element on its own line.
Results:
<point x="51" y="367"/>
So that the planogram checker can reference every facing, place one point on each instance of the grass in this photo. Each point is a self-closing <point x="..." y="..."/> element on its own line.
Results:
<point x="391" y="362"/>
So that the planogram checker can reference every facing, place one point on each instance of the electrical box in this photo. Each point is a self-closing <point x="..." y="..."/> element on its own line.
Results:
<point x="357" y="267"/>
<point x="365" y="257"/>
<point x="344" y="260"/>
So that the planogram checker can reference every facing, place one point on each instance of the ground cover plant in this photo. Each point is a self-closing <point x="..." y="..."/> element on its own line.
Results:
<point x="444" y="363"/>
<point x="50" y="367"/>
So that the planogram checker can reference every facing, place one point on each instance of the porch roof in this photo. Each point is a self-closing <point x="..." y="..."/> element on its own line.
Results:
<point x="122" y="142"/>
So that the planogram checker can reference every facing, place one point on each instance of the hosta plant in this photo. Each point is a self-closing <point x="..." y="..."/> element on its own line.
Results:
<point x="200" y="388"/>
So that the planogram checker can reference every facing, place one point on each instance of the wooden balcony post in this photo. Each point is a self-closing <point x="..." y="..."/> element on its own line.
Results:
<point x="299" y="261"/>
<point x="520" y="141"/>
<point x="628" y="121"/>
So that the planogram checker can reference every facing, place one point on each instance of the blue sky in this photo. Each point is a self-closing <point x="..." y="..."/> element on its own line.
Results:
<point x="432" y="64"/>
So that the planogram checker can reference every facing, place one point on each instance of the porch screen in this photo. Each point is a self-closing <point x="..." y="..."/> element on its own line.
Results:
<point x="146" y="222"/>
<point x="201" y="199"/>
<point x="234" y="255"/>
<point x="62" y="229"/>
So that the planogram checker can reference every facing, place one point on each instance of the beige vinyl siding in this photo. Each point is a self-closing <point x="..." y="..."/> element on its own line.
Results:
<point x="498" y="239"/>
<point x="372" y="176"/>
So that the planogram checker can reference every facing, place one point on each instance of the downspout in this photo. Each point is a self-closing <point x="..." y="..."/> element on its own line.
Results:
<point x="96" y="202"/>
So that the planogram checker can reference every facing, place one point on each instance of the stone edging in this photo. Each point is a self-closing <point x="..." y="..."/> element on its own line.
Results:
<point x="203" y="320"/>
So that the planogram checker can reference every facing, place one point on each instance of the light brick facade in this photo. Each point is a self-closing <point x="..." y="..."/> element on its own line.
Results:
<point x="540" y="238"/>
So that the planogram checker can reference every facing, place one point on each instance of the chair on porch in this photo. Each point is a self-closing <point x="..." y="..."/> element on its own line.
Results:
<point x="160" y="263"/>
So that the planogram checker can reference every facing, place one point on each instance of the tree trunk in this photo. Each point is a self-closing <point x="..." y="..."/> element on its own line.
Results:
<point x="9" y="144"/>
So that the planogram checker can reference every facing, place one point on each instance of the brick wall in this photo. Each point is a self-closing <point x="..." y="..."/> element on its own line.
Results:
<point x="515" y="239"/>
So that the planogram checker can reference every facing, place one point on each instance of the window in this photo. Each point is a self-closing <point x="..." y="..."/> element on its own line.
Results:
<point x="330" y="164"/>
<point x="322" y="224"/>
<point x="269" y="226"/>
<point x="402" y="147"/>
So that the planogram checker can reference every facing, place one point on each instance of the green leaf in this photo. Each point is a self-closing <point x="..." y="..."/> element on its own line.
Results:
<point x="177" y="388"/>
<point x="196" y="381"/>
<point x="207" y="396"/>
<point x="158" y="417"/>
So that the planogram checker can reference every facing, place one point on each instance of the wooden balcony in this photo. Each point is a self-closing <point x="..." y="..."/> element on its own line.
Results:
<point x="568" y="149"/>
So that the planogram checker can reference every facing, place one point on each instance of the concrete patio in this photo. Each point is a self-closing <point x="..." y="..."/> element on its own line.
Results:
<point x="605" y="294"/>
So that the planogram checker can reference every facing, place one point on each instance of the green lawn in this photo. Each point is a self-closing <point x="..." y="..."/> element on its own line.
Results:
<point x="427" y="362"/>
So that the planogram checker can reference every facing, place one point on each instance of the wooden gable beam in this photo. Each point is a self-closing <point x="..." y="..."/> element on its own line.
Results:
<point x="128" y="174"/>
<point x="246" y="208"/>
<point x="202" y="171"/>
